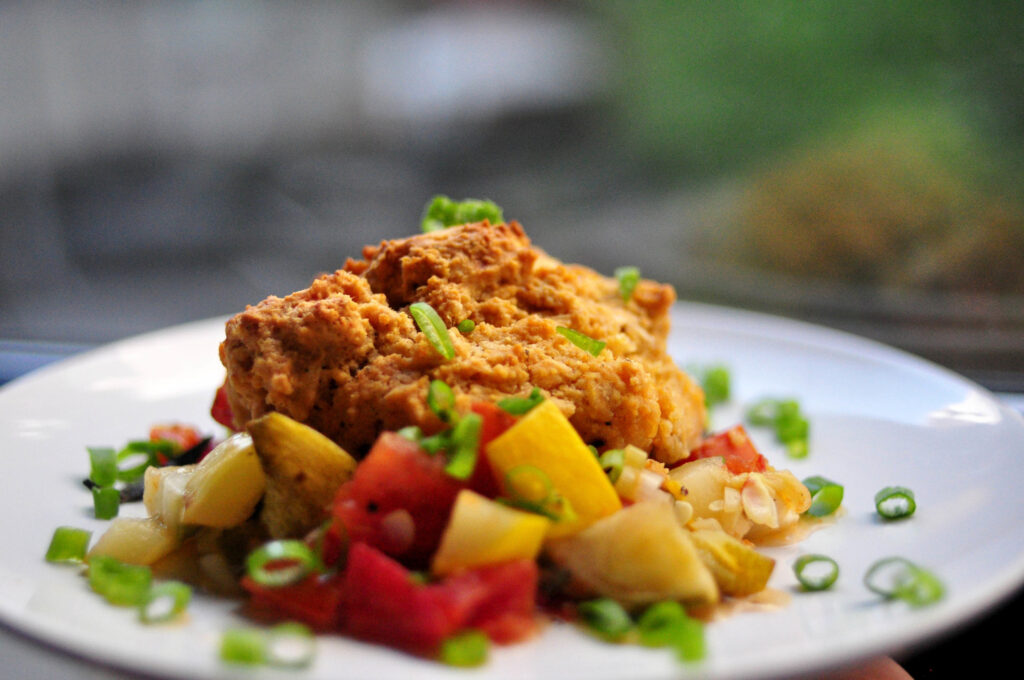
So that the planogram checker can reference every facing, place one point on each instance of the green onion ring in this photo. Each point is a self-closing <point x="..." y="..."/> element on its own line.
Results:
<point x="290" y="645"/>
<point x="120" y="584"/>
<point x="895" y="502"/>
<point x="612" y="461"/>
<point x="816" y="572"/>
<point x="299" y="558"/>
<point x="550" y="504"/>
<point x="164" y="601"/>
<point x="513" y="483"/>
<point x="897" y="578"/>
<point x="581" y="340"/>
<point x="826" y="496"/>
<point x="433" y="328"/>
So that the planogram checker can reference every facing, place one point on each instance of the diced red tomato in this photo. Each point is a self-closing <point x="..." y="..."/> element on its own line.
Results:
<point x="385" y="604"/>
<point x="185" y="436"/>
<point x="495" y="421"/>
<point x="735" y="447"/>
<point x="397" y="475"/>
<point x="315" y="601"/>
<point x="503" y="601"/>
<point x="221" y="408"/>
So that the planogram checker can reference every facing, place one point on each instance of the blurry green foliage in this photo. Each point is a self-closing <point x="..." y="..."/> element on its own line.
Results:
<point x="711" y="87"/>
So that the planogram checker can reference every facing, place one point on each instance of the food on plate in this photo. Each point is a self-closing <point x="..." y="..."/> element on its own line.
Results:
<point x="411" y="480"/>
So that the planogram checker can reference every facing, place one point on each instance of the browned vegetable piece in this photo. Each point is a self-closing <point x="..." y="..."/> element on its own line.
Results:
<point x="304" y="470"/>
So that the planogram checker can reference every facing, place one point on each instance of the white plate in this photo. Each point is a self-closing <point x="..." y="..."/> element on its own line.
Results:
<point x="879" y="417"/>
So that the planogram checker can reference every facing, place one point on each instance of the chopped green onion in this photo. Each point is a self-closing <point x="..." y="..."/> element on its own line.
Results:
<point x="791" y="427"/>
<point x="281" y="563"/>
<point x="627" y="277"/>
<point x="716" y="382"/>
<point x="412" y="433"/>
<point x="244" y="646"/>
<point x="433" y="328"/>
<point x="121" y="584"/>
<point x="465" y="650"/>
<point x="826" y="496"/>
<point x="688" y="640"/>
<point x="582" y="340"/>
<point x="895" y="502"/>
<point x="612" y="461"/>
<point x="435" y="442"/>
<point x="68" y="544"/>
<point x="105" y="500"/>
<point x="164" y="601"/>
<point x="146" y="452"/>
<point x="790" y="424"/>
<point x="897" y="578"/>
<point x="816" y="572"/>
<point x="531" y="490"/>
<point x="605" y="617"/>
<point x="655" y="625"/>
<point x="443" y="212"/>
<point x="290" y="645"/>
<point x="518" y="406"/>
<point x="797" y="448"/>
<point x="441" y="400"/>
<point x="762" y="413"/>
<point x="665" y="624"/>
<point x="466" y="326"/>
<point x="529" y="483"/>
<point x="102" y="466"/>
<point x="465" y="440"/>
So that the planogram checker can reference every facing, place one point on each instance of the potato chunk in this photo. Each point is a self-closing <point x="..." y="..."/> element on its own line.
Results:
<point x="136" y="540"/>
<point x="225" y="486"/>
<point x="637" y="556"/>
<point x="481" y="532"/>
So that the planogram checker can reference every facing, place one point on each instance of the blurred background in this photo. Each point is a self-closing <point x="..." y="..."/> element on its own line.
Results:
<point x="857" y="164"/>
<point x="853" y="164"/>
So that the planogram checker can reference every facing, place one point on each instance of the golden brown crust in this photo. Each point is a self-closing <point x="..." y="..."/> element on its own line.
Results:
<point x="345" y="357"/>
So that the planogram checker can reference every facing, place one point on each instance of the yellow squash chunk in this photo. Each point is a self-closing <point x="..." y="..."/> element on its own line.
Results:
<point x="637" y="556"/>
<point x="304" y="470"/>
<point x="544" y="439"/>
<point x="226" y="485"/>
<point x="738" y="569"/>
<point x="481" y="531"/>
<point x="136" y="540"/>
